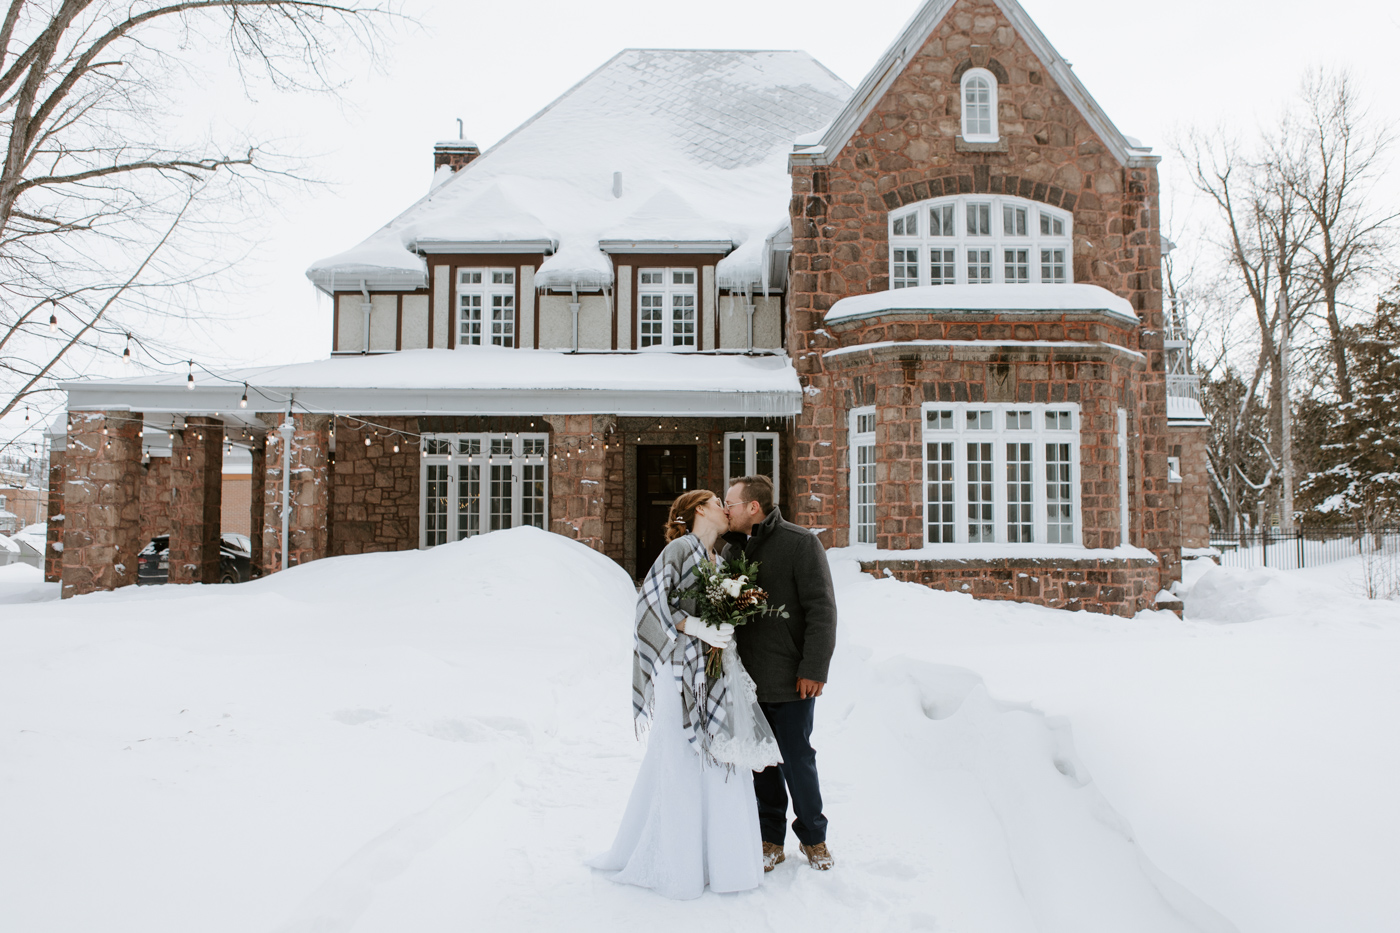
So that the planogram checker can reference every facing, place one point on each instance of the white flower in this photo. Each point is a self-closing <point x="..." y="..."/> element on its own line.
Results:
<point x="732" y="587"/>
<point x="743" y="579"/>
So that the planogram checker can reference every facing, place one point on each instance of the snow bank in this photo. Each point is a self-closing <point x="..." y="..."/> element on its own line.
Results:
<point x="1010" y="298"/>
<point x="22" y="583"/>
<point x="422" y="740"/>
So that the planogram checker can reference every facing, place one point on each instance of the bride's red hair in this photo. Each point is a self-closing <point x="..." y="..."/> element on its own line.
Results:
<point x="682" y="518"/>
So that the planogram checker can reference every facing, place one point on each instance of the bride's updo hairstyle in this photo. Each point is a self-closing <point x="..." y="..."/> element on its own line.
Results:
<point x="682" y="519"/>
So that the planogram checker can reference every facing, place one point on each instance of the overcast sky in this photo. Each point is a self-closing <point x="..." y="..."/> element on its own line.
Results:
<point x="1155" y="69"/>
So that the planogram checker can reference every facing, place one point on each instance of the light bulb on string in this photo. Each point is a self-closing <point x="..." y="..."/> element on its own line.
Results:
<point x="366" y="440"/>
<point x="189" y="381"/>
<point x="126" y="354"/>
<point x="243" y="402"/>
<point x="53" y="323"/>
<point x="396" y="446"/>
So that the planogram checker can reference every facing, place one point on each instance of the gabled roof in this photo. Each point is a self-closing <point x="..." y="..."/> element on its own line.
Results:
<point x="699" y="137"/>
<point x="821" y="149"/>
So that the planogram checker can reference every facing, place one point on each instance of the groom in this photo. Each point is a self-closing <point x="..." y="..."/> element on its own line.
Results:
<point x="787" y="659"/>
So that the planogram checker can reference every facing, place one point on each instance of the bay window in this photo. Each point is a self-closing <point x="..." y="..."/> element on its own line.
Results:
<point x="475" y="483"/>
<point x="1001" y="473"/>
<point x="979" y="240"/>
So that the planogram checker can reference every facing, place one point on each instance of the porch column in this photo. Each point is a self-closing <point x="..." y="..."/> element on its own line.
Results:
<point x="577" y="472"/>
<point x="101" y="501"/>
<point x="197" y="474"/>
<point x="256" y="487"/>
<point x="307" y="531"/>
<point x="53" y="551"/>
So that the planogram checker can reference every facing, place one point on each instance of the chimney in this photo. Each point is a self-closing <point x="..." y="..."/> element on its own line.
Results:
<point x="454" y="153"/>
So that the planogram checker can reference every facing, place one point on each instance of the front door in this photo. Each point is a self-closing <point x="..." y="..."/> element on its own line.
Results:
<point x="663" y="473"/>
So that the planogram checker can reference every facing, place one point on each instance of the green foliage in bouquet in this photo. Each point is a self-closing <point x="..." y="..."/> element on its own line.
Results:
<point x="727" y="593"/>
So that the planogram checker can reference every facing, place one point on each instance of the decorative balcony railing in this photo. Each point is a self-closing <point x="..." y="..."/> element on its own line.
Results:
<point x="1184" y="385"/>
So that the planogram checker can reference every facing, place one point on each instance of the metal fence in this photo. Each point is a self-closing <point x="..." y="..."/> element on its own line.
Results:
<point x="1303" y="547"/>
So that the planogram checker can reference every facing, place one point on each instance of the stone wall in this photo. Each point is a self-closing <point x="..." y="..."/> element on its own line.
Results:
<point x="907" y="150"/>
<point x="156" y="491"/>
<point x="1191" y="497"/>
<point x="101" y="501"/>
<point x="374" y="498"/>
<point x="577" y="476"/>
<point x="1121" y="587"/>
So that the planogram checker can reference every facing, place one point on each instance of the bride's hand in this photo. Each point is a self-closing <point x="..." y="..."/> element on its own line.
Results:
<point x="717" y="635"/>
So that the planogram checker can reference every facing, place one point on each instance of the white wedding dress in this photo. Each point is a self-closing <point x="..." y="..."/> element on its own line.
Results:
<point x="688" y="823"/>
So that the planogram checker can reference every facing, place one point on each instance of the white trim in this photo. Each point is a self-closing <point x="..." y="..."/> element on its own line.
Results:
<point x="665" y="246"/>
<point x="489" y="331"/>
<point x="857" y="441"/>
<point x="1047" y="344"/>
<point x="911" y="39"/>
<point x="1038" y="435"/>
<point x="1123" y="526"/>
<point x="433" y="247"/>
<point x="750" y="439"/>
<point x="974" y="74"/>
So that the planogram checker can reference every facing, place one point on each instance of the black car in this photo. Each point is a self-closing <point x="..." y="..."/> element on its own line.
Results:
<point x="235" y="560"/>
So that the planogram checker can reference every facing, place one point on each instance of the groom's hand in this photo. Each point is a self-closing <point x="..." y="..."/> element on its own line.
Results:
<point x="806" y="689"/>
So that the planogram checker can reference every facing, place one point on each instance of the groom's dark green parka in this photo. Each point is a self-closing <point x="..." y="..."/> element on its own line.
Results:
<point x="793" y="569"/>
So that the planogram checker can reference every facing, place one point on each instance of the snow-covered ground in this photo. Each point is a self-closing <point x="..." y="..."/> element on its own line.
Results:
<point x="436" y="740"/>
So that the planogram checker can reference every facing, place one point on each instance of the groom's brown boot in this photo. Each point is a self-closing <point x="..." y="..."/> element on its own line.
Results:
<point x="772" y="855"/>
<point x="819" y="856"/>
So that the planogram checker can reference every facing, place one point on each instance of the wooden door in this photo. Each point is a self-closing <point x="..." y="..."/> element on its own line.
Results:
<point x="663" y="473"/>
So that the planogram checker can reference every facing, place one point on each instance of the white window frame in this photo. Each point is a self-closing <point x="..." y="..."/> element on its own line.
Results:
<point x="969" y="76"/>
<point x="750" y="439"/>
<point x="457" y="452"/>
<point x="1038" y="435"/>
<point x="669" y="290"/>
<point x="492" y="330"/>
<point x="999" y="241"/>
<point x="862" y="532"/>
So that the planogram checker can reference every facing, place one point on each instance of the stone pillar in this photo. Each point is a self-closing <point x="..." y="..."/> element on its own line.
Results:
<point x="101" y="501"/>
<point x="156" y="497"/>
<point x="53" y="553"/>
<point x="257" y="504"/>
<point x="310" y="492"/>
<point x="577" y="471"/>
<point x="197" y="475"/>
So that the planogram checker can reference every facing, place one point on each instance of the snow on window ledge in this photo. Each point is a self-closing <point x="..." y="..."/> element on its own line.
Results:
<point x="1048" y="553"/>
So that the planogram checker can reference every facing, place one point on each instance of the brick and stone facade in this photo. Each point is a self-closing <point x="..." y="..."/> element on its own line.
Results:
<point x="374" y="491"/>
<point x="1191" y="505"/>
<point x="53" y="550"/>
<point x="196" y="490"/>
<point x="310" y="492"/>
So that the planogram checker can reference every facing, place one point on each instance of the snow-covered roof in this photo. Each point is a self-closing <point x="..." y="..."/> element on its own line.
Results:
<point x="473" y="381"/>
<point x="1009" y="298"/>
<point x="699" y="137"/>
<point x="823" y="146"/>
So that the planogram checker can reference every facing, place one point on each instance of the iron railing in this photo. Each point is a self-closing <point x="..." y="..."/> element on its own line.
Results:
<point x="1302" y="547"/>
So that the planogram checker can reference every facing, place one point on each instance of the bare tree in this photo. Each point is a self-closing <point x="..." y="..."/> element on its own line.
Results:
<point x="1330" y="155"/>
<point x="107" y="217"/>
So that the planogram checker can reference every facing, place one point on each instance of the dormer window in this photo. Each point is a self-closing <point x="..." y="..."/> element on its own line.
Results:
<point x="485" y="307"/>
<point x="666" y="309"/>
<point x="979" y="106"/>
<point x="979" y="240"/>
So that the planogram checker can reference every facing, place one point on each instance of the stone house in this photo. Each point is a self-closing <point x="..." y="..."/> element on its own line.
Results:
<point x="930" y="308"/>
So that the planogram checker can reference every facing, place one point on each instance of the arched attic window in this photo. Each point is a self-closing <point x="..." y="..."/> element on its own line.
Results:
<point x="979" y="106"/>
<point x="980" y="239"/>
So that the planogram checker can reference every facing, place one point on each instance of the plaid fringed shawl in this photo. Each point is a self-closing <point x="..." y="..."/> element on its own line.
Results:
<point x="656" y="635"/>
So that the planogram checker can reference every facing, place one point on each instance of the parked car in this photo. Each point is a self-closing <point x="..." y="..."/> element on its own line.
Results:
<point x="235" y="560"/>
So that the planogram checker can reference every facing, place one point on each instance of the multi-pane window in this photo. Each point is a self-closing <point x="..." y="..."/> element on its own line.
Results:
<point x="979" y="105"/>
<point x="751" y="454"/>
<point x="489" y="482"/>
<point x="1004" y="474"/>
<point x="863" y="475"/>
<point x="486" y="307"/>
<point x="667" y="308"/>
<point x="979" y="240"/>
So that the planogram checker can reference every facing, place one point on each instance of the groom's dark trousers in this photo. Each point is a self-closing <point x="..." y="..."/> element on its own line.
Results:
<point x="797" y="775"/>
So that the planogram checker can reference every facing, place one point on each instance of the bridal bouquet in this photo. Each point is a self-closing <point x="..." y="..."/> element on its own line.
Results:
<point x="727" y="593"/>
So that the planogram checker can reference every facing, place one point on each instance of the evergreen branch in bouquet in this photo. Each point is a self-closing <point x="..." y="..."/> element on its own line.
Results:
<point x="727" y="594"/>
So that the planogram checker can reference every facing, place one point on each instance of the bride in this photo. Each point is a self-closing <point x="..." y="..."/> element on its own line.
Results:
<point x="692" y="819"/>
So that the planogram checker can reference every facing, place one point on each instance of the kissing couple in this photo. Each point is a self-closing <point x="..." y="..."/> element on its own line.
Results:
<point x="695" y="818"/>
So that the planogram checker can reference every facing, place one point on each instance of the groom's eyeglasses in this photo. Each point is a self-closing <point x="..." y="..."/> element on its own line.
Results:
<point x="731" y="505"/>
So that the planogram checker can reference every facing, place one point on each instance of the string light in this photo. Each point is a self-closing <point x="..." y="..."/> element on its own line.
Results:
<point x="189" y="381"/>
<point x="126" y="354"/>
<point x="396" y="446"/>
<point x="53" y="323"/>
<point x="243" y="402"/>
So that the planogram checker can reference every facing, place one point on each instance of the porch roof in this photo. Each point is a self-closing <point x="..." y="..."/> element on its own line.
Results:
<point x="470" y="381"/>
